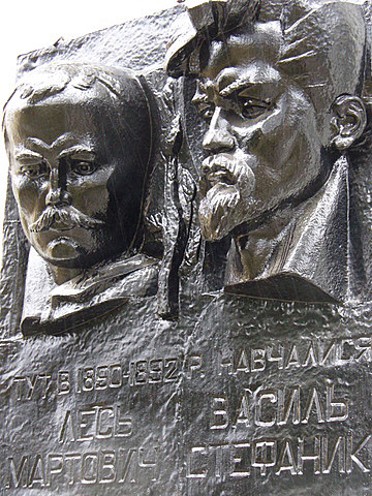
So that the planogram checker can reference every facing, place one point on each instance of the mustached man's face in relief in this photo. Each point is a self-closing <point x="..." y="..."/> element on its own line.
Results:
<point x="65" y="156"/>
<point x="262" y="141"/>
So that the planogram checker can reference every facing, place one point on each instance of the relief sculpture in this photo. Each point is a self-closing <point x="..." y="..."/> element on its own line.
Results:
<point x="79" y="140"/>
<point x="285" y="120"/>
<point x="187" y="256"/>
<point x="285" y="114"/>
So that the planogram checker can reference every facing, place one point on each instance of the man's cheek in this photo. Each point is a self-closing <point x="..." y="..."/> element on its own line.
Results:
<point x="271" y="132"/>
<point x="85" y="199"/>
<point x="30" y="198"/>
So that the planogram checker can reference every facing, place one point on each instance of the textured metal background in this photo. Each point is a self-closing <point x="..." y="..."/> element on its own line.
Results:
<point x="179" y="380"/>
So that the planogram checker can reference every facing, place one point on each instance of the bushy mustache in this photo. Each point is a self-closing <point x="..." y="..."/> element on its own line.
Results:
<point x="69" y="217"/>
<point x="234" y="171"/>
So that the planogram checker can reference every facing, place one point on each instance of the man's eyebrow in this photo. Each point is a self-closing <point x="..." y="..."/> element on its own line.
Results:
<point x="268" y="82"/>
<point x="79" y="151"/>
<point x="201" y="93"/>
<point x="28" y="155"/>
<point x="200" y="98"/>
<point x="237" y="85"/>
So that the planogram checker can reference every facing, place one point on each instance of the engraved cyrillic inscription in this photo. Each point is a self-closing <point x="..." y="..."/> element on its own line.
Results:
<point x="96" y="422"/>
<point x="32" y="387"/>
<point x="303" y="355"/>
<point x="89" y="468"/>
<point x="318" y="455"/>
<point x="92" y="378"/>
<point x="269" y="407"/>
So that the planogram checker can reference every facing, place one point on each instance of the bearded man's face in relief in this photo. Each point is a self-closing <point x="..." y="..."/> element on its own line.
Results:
<point x="262" y="141"/>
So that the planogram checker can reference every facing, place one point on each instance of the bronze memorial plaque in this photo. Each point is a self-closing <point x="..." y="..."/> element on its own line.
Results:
<point x="185" y="292"/>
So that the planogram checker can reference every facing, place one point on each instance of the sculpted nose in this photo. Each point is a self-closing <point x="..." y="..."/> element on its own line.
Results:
<point x="57" y="195"/>
<point x="218" y="138"/>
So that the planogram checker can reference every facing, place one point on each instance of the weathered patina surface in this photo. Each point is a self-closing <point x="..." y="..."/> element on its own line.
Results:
<point x="186" y="285"/>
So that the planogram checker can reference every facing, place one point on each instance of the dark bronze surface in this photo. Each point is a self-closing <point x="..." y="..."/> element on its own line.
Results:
<point x="79" y="138"/>
<point x="186" y="282"/>
<point x="283" y="116"/>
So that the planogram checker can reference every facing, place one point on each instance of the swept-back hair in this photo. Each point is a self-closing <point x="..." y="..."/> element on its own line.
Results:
<point x="323" y="41"/>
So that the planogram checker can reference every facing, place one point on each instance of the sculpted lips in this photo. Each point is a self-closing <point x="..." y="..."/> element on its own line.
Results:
<point x="226" y="169"/>
<point x="217" y="169"/>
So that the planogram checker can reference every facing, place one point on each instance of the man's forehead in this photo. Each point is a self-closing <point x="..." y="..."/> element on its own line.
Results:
<point x="52" y="117"/>
<point x="38" y="134"/>
<point x="257" y="44"/>
<point x="58" y="105"/>
<point x="36" y="119"/>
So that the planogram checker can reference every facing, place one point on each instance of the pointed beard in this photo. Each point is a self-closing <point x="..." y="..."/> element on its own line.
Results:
<point x="222" y="209"/>
<point x="226" y="187"/>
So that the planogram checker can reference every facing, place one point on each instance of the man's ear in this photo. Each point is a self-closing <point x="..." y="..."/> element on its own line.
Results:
<point x="349" y="121"/>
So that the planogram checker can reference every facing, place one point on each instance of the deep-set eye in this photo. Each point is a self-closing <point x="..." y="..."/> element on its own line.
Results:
<point x="34" y="170"/>
<point x="206" y="111"/>
<point x="252" y="108"/>
<point x="83" y="167"/>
